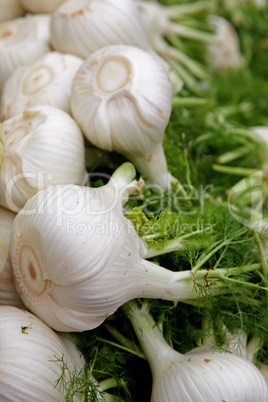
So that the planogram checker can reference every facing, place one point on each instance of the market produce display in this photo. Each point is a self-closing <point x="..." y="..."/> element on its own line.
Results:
<point x="133" y="200"/>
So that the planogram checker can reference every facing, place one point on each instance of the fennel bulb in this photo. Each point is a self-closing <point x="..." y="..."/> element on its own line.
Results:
<point x="81" y="27"/>
<point x="122" y="97"/>
<point x="8" y="293"/>
<point x="22" y="41"/>
<point x="10" y="9"/>
<point x="43" y="146"/>
<point x="76" y="258"/>
<point x="45" y="82"/>
<point x="32" y="355"/>
<point x="201" y="375"/>
<point x="225" y="54"/>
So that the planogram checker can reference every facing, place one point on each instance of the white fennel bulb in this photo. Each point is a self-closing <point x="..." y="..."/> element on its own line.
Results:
<point x="45" y="82"/>
<point x="10" y="9"/>
<point x="226" y="54"/>
<point x="41" y="6"/>
<point x="22" y="41"/>
<point x="32" y="358"/>
<point x="201" y="375"/>
<point x="8" y="293"/>
<point x="43" y="146"/>
<point x="122" y="97"/>
<point x="82" y="26"/>
<point x="76" y="258"/>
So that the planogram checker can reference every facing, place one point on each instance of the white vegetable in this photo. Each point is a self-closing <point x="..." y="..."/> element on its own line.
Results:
<point x="122" y="98"/>
<point x="32" y="355"/>
<point x="200" y="375"/>
<point x="22" y="41"/>
<point x="46" y="82"/>
<point x="76" y="258"/>
<point x="10" y="9"/>
<point x="82" y="26"/>
<point x="41" y="6"/>
<point x="43" y="146"/>
<point x="225" y="54"/>
<point x="8" y="293"/>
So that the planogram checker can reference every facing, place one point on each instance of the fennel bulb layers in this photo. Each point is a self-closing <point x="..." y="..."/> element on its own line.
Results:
<point x="201" y="375"/>
<point x="10" y="9"/>
<point x="81" y="27"/>
<point x="22" y="41"/>
<point x="32" y="355"/>
<point x="8" y="293"/>
<point x="46" y="82"/>
<point x="76" y="258"/>
<point x="122" y="97"/>
<point x="43" y="146"/>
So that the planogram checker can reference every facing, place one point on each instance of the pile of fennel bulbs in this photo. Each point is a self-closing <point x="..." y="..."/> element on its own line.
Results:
<point x="128" y="74"/>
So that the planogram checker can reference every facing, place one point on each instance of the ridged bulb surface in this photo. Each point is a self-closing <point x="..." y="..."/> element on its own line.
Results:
<point x="81" y="27"/>
<point x="76" y="259"/>
<point x="46" y="82"/>
<point x="122" y="98"/>
<point x="8" y="293"/>
<point x="22" y="41"/>
<point x="32" y="355"/>
<point x="201" y="375"/>
<point x="43" y="146"/>
<point x="72" y="258"/>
